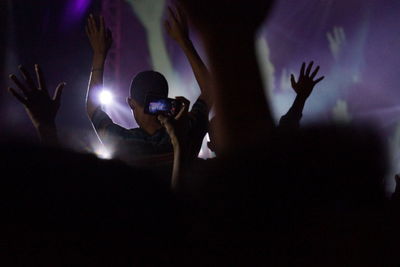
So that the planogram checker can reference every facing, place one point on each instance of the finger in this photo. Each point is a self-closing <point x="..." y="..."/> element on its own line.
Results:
<point x="342" y="34"/>
<point x="161" y="118"/>
<point x="303" y="66"/>
<point x="320" y="79"/>
<point x="40" y="78"/>
<point x="292" y="80"/>
<point x="167" y="27"/>
<point x="309" y="68"/>
<point x="89" y="26"/>
<point x="181" y="14"/>
<point x="102" y="28"/>
<point x="19" y="84"/>
<point x="181" y="112"/>
<point x="18" y="96"/>
<point x="27" y="77"/>
<point x="330" y="37"/>
<point x="184" y="100"/>
<point x="182" y="19"/>
<point x="58" y="92"/>
<point x="337" y="33"/>
<point x="172" y="14"/>
<point x="314" y="73"/>
<point x="184" y="108"/>
<point x="92" y="23"/>
<point x="166" y="123"/>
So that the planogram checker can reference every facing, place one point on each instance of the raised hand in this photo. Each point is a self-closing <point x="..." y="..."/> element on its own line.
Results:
<point x="177" y="25"/>
<point x="340" y="112"/>
<point x="336" y="39"/>
<point x="149" y="12"/>
<point x="41" y="108"/>
<point x="177" y="126"/>
<point x="177" y="129"/>
<point x="305" y="84"/>
<point x="100" y="38"/>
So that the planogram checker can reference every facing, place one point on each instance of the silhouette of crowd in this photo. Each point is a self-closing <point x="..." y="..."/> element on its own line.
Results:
<point x="274" y="195"/>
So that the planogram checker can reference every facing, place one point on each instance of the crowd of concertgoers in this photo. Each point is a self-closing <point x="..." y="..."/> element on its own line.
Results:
<point x="274" y="195"/>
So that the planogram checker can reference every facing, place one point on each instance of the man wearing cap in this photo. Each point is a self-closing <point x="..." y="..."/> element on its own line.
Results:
<point x="150" y="138"/>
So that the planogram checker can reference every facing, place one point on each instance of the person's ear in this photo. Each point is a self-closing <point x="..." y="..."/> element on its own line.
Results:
<point x="130" y="103"/>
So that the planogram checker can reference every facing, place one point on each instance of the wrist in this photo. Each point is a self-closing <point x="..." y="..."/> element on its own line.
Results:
<point x="176" y="146"/>
<point x="184" y="42"/>
<point x="48" y="133"/>
<point x="186" y="46"/>
<point x="98" y="60"/>
<point x="301" y="98"/>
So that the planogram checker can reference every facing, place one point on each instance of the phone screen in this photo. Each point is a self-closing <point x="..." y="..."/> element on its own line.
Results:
<point x="155" y="105"/>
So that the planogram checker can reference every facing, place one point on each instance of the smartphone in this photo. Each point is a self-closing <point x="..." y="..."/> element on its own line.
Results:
<point x="155" y="105"/>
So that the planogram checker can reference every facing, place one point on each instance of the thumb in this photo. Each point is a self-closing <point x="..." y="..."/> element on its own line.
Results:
<point x="292" y="80"/>
<point x="167" y="26"/>
<point x="58" y="92"/>
<point x="163" y="119"/>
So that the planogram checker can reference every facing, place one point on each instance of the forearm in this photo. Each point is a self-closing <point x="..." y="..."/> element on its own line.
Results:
<point x="180" y="167"/>
<point x="200" y="70"/>
<point x="176" y="171"/>
<point x="298" y="105"/>
<point x="48" y="133"/>
<point x="293" y="116"/>
<point x="95" y="83"/>
<point x="238" y="84"/>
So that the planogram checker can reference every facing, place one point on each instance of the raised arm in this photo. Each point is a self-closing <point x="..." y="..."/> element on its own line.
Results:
<point x="41" y="108"/>
<point x="177" y="28"/>
<point x="177" y="129"/>
<point x="303" y="88"/>
<point x="228" y="28"/>
<point x="100" y="40"/>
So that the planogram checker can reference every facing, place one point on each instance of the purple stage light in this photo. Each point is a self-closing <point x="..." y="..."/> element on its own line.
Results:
<point x="74" y="11"/>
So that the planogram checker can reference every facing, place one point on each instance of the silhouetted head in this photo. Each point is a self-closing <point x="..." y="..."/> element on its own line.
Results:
<point x="144" y="83"/>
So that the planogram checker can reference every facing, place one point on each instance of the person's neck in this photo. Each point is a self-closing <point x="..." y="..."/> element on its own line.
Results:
<point x="151" y="126"/>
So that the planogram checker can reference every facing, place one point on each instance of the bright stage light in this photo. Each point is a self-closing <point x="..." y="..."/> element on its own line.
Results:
<point x="103" y="153"/>
<point x="106" y="98"/>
